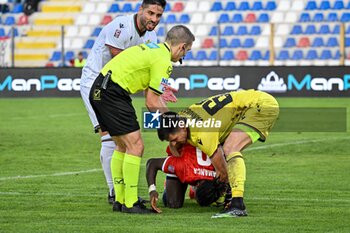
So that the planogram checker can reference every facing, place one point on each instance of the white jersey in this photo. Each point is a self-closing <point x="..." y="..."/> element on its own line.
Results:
<point x="121" y="33"/>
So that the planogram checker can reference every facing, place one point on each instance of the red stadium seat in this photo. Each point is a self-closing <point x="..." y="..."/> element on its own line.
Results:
<point x="178" y="7"/>
<point x="23" y="20"/>
<point x="250" y="18"/>
<point x="304" y="42"/>
<point x="106" y="19"/>
<point x="242" y="55"/>
<point x="208" y="43"/>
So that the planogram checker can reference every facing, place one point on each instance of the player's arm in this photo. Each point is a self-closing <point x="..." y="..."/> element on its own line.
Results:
<point x="152" y="167"/>
<point x="154" y="102"/>
<point x="114" y="51"/>
<point x="219" y="163"/>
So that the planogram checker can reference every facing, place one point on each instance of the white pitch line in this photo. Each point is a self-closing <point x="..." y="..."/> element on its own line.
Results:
<point x="248" y="149"/>
<point x="47" y="116"/>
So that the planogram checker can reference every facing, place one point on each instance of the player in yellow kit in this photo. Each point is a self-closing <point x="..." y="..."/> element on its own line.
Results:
<point x="222" y="126"/>
<point x="145" y="67"/>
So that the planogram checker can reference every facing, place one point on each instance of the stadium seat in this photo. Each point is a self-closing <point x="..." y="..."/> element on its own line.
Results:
<point x="290" y="42"/>
<point x="161" y="31"/>
<point x="311" y="55"/>
<point x="297" y="55"/>
<point x="178" y="7"/>
<point x="197" y="18"/>
<point x="127" y="7"/>
<point x="250" y="18"/>
<point x="255" y="30"/>
<point x="347" y="31"/>
<point x="277" y="17"/>
<point x="297" y="5"/>
<point x="184" y="19"/>
<point x="242" y="30"/>
<point x="257" y="6"/>
<point x="325" y="5"/>
<point x="189" y="56"/>
<point x="244" y="6"/>
<point x="317" y="42"/>
<point x="304" y="42"/>
<point x="235" y="43"/>
<point x="224" y="18"/>
<point x="23" y="20"/>
<point x="347" y="41"/>
<point x="213" y="56"/>
<point x="228" y="55"/>
<point x="208" y="43"/>
<point x="305" y="17"/>
<point x="263" y="18"/>
<point x="237" y="18"/>
<point x="203" y="6"/>
<point x="310" y="29"/>
<point x="56" y="56"/>
<point x="255" y="55"/>
<point x="311" y="5"/>
<point x="201" y="55"/>
<point x="213" y="31"/>
<point x="228" y="31"/>
<point x="137" y="7"/>
<point x="248" y="43"/>
<point x="114" y="8"/>
<point x="230" y="6"/>
<point x="96" y="31"/>
<point x="223" y="43"/>
<point x="2" y="32"/>
<point x="291" y="17"/>
<point x="266" y="56"/>
<point x="101" y="8"/>
<point x="89" y="43"/>
<point x="69" y="55"/>
<point x="337" y="55"/>
<point x="89" y="7"/>
<point x="332" y="17"/>
<point x="326" y="55"/>
<point x="10" y="20"/>
<point x="167" y="7"/>
<point x="270" y="6"/>
<point x="191" y="6"/>
<point x="210" y="18"/>
<point x="345" y="17"/>
<point x="332" y="42"/>
<point x="283" y="55"/>
<point x="283" y="6"/>
<point x="348" y="6"/>
<point x="338" y="5"/>
<point x="18" y="8"/>
<point x="106" y="19"/>
<point x="242" y="55"/>
<point x="318" y="17"/>
<point x="171" y="19"/>
<point x="297" y="30"/>
<point x="324" y="29"/>
<point x="217" y="6"/>
<point x="336" y="30"/>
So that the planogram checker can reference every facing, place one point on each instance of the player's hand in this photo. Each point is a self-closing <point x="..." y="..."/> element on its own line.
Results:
<point x="222" y="177"/>
<point x="168" y="94"/>
<point x="154" y="198"/>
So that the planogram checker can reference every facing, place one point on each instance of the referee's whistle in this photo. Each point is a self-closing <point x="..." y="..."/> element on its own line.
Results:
<point x="106" y="80"/>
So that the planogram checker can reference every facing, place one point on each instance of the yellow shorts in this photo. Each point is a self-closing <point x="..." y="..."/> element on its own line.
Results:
<point x="261" y="117"/>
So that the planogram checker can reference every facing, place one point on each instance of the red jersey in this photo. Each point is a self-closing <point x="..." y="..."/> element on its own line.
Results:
<point x="193" y="165"/>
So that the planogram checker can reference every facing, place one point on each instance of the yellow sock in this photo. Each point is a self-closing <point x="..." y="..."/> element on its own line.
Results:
<point x="236" y="173"/>
<point x="131" y="171"/>
<point x="117" y="162"/>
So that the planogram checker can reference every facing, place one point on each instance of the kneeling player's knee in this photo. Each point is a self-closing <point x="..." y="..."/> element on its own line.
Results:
<point x="174" y="204"/>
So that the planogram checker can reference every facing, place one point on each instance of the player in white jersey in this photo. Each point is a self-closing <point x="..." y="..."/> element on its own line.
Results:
<point x="121" y="33"/>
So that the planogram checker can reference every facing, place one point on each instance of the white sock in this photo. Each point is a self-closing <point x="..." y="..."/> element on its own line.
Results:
<point x="107" y="149"/>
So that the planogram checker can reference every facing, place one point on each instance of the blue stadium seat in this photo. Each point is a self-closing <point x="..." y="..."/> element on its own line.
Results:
<point x="161" y="31"/>
<point x="213" y="31"/>
<point x="201" y="55"/>
<point x="228" y="31"/>
<point x="283" y="55"/>
<point x="223" y="43"/>
<point x="263" y="18"/>
<point x="2" y="32"/>
<point x="345" y="17"/>
<point x="10" y="20"/>
<point x="338" y="5"/>
<point x="69" y="56"/>
<point x="89" y="43"/>
<point x="270" y="6"/>
<point x="137" y="7"/>
<point x="325" y="5"/>
<point x="242" y="30"/>
<point x="230" y="6"/>
<point x="310" y="29"/>
<point x="290" y="42"/>
<point x="248" y="43"/>
<point x="237" y="18"/>
<point x="311" y="55"/>
<point x="224" y="18"/>
<point x="347" y="41"/>
<point x="217" y="6"/>
<point x="336" y="30"/>
<point x="326" y="54"/>
<point x="311" y="5"/>
<point x="127" y="7"/>
<point x="305" y="17"/>
<point x="235" y="43"/>
<point x="255" y="30"/>
<point x="167" y="8"/>
<point x="255" y="55"/>
<point x="348" y="6"/>
<point x="96" y="31"/>
<point x="15" y="32"/>
<point x="56" y="56"/>
<point x="332" y="42"/>
<point x="324" y="29"/>
<point x="18" y="8"/>
<point x="171" y="19"/>
<point x="85" y="54"/>
<point x="257" y="6"/>
<point x="332" y="17"/>
<point x="297" y="30"/>
<point x="318" y="17"/>
<point x="189" y="56"/>
<point x="244" y="6"/>
<point x="317" y="42"/>
<point x="297" y="55"/>
<point x="337" y="55"/>
<point x="114" y="8"/>
<point x="213" y="56"/>
<point x="228" y="55"/>
<point x="347" y="30"/>
<point x="184" y="18"/>
<point x="266" y="57"/>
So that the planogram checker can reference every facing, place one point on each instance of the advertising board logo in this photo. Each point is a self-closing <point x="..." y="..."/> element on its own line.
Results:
<point x="151" y="120"/>
<point x="272" y="83"/>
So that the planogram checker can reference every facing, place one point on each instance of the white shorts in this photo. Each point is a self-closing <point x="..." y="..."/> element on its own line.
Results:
<point x="85" y="92"/>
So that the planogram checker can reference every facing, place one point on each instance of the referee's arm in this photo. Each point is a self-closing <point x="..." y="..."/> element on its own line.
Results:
<point x="154" y="102"/>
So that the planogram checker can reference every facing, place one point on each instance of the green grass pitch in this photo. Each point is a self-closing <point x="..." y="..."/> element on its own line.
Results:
<point x="51" y="178"/>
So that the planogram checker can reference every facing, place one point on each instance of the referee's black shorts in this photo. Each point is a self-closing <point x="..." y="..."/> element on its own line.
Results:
<point x="113" y="108"/>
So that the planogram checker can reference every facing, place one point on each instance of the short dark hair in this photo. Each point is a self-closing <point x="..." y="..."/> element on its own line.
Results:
<point x="161" y="3"/>
<point x="172" y="119"/>
<point x="179" y="34"/>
